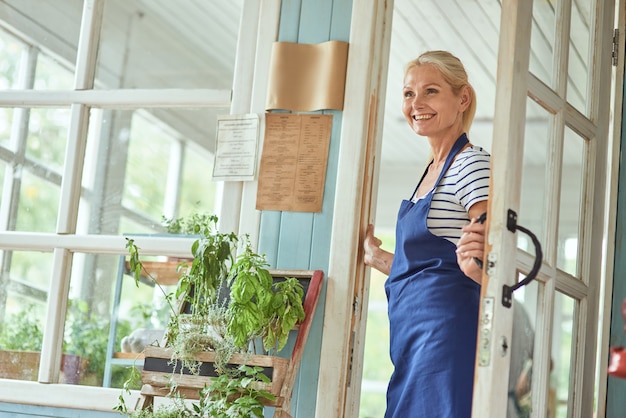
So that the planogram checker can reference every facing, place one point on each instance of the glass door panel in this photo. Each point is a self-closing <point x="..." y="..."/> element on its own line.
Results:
<point x="522" y="350"/>
<point x="542" y="40"/>
<point x="533" y="200"/>
<point x="559" y="197"/>
<point x="578" y="69"/>
<point x="572" y="181"/>
<point x="562" y="350"/>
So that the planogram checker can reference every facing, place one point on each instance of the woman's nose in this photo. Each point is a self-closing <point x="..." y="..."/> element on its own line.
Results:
<point x="417" y="102"/>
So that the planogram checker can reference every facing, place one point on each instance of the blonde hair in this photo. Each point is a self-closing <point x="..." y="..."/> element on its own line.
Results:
<point x="453" y="73"/>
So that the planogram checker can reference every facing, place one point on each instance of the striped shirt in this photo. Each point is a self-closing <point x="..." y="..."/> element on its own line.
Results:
<point x="465" y="183"/>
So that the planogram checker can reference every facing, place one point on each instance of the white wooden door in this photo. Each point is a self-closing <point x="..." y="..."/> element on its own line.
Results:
<point x="549" y="159"/>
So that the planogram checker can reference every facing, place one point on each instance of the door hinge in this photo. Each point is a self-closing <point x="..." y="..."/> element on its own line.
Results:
<point x="614" y="53"/>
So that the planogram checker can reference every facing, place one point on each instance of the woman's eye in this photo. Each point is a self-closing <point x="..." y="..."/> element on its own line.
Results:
<point x="408" y="94"/>
<point x="431" y="91"/>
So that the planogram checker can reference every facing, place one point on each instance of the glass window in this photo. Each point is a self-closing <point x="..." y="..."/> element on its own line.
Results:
<point x="52" y="30"/>
<point x="23" y="297"/>
<point x="536" y="146"/>
<point x="145" y="164"/>
<point x="141" y="163"/>
<point x="47" y="137"/>
<point x="110" y="318"/>
<point x="542" y="41"/>
<point x="572" y="199"/>
<point x="579" y="55"/>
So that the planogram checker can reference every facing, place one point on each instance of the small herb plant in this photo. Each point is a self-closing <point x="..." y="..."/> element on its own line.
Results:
<point x="227" y="396"/>
<point x="229" y="302"/>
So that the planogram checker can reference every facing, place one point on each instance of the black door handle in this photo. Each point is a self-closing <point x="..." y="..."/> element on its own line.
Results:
<point x="507" y="291"/>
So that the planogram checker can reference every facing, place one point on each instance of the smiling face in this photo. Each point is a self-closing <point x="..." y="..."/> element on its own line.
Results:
<point x="430" y="106"/>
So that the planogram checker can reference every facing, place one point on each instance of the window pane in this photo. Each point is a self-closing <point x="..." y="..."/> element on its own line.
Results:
<point x="47" y="137"/>
<point x="578" y="68"/>
<point x="571" y="200"/>
<point x="522" y="349"/>
<point x="533" y="196"/>
<point x="23" y="296"/>
<point x="6" y="127"/>
<point x="110" y="318"/>
<point x="52" y="76"/>
<point x="53" y="27"/>
<point x="10" y="52"/>
<point x="197" y="190"/>
<point x="542" y="41"/>
<point x="38" y="204"/>
<point x="143" y="165"/>
<point x="140" y="46"/>
<point x="149" y="148"/>
<point x="562" y="346"/>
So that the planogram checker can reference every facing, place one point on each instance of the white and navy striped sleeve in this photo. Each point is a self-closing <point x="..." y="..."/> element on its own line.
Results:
<point x="465" y="183"/>
<point x="472" y="183"/>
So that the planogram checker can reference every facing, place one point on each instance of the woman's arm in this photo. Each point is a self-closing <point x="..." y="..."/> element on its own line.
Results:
<point x="472" y="244"/>
<point x="373" y="255"/>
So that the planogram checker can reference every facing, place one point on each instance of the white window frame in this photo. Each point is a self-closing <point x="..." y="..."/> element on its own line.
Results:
<point x="233" y="200"/>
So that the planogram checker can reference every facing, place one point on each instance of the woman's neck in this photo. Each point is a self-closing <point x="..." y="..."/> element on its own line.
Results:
<point x="441" y="148"/>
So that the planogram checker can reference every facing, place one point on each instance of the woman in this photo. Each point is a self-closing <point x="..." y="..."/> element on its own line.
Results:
<point x="433" y="290"/>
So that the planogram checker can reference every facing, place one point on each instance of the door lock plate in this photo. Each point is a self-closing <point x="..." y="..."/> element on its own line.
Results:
<point x="484" y="334"/>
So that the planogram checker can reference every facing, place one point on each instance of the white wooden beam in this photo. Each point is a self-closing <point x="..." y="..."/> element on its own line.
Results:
<point x="118" y="99"/>
<point x="491" y="375"/>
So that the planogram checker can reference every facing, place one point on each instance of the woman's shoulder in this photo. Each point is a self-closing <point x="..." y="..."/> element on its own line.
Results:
<point x="472" y="155"/>
<point x="475" y="150"/>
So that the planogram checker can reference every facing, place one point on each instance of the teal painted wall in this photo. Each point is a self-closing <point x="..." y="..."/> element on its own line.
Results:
<point x="296" y="240"/>
<point x="616" y="402"/>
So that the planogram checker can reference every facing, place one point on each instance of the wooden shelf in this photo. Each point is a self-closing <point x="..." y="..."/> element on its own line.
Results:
<point x="129" y="356"/>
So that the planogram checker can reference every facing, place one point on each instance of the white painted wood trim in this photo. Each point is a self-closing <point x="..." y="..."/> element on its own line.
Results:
<point x="228" y="205"/>
<point x="117" y="99"/>
<point x="88" y="41"/>
<point x="51" y="346"/>
<point x="250" y="217"/>
<point x="50" y="360"/>
<point x="595" y="257"/>
<point x="64" y="396"/>
<point x="96" y="244"/>
<point x="606" y="291"/>
<point x="491" y="379"/>
<point x="347" y="281"/>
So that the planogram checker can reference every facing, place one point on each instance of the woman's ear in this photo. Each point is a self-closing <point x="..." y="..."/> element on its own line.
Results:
<point x="466" y="97"/>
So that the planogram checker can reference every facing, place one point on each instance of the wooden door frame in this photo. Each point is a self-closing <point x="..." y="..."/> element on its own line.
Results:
<point x="357" y="176"/>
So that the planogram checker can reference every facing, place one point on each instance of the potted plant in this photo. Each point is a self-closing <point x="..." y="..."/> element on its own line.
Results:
<point x="83" y="347"/>
<point x="226" y="311"/>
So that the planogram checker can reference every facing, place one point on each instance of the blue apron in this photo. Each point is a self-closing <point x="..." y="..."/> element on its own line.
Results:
<point x="433" y="318"/>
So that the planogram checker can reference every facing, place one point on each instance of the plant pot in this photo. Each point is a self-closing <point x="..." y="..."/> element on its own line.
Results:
<point x="19" y="365"/>
<point x="24" y="365"/>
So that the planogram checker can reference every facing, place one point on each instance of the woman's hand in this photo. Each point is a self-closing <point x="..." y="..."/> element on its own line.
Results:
<point x="470" y="246"/>
<point x="373" y="255"/>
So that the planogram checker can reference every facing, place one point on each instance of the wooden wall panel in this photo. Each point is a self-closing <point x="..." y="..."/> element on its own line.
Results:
<point x="298" y="240"/>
